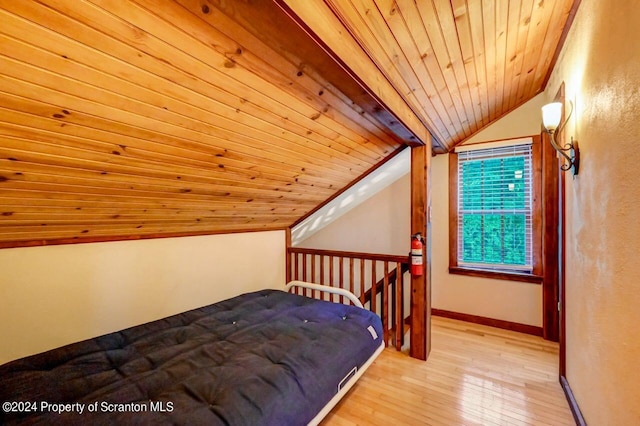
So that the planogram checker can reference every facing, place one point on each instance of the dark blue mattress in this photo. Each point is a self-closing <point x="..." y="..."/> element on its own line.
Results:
<point x="264" y="358"/>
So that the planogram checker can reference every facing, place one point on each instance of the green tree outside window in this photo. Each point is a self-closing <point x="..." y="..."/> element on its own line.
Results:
<point x="494" y="208"/>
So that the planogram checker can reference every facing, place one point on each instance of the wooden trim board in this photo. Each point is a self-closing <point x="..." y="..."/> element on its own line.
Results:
<point x="573" y="404"/>
<point x="532" y="279"/>
<point x="380" y="99"/>
<point x="54" y="242"/>
<point x="287" y="246"/>
<point x="491" y="322"/>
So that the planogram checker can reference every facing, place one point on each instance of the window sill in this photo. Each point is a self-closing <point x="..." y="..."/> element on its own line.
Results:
<point x="508" y="276"/>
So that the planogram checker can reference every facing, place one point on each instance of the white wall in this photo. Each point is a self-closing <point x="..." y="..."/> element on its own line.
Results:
<point x="381" y="224"/>
<point x="51" y="296"/>
<point x="600" y="66"/>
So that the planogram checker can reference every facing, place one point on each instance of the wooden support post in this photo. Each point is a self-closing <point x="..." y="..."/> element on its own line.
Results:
<point x="304" y="272"/>
<point x="296" y="268"/>
<point x="385" y="304"/>
<point x="399" y="315"/>
<point x="331" y="296"/>
<point x="341" y="264"/>
<point x="374" y="290"/>
<point x="421" y="286"/>
<point x="351" y="275"/>
<point x="362" y="291"/>
<point x="322" y="275"/>
<point x="314" y="293"/>
<point x="287" y="262"/>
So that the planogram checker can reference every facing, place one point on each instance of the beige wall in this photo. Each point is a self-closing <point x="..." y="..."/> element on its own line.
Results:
<point x="382" y="225"/>
<point x="379" y="225"/>
<point x="51" y="296"/>
<point x="523" y="121"/>
<point x="499" y="299"/>
<point x="600" y="65"/>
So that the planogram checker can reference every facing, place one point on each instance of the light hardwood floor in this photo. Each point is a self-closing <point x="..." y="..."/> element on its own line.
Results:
<point x="475" y="375"/>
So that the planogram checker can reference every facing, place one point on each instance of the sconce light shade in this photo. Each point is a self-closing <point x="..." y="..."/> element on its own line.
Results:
<point x="551" y="114"/>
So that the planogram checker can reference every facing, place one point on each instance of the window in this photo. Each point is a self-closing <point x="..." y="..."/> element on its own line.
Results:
<point x="495" y="212"/>
<point x="495" y="208"/>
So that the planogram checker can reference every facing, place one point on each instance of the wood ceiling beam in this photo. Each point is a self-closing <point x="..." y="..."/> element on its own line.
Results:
<point x="306" y="33"/>
<point x="13" y="241"/>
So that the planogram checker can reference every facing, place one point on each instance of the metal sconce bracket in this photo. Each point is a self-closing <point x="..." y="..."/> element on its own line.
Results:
<point x="570" y="152"/>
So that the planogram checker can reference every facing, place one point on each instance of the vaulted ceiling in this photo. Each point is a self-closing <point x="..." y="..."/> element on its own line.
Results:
<point x="457" y="64"/>
<point x="123" y="119"/>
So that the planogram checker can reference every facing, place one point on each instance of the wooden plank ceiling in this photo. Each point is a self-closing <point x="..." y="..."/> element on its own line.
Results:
<point x="126" y="119"/>
<point x="458" y="64"/>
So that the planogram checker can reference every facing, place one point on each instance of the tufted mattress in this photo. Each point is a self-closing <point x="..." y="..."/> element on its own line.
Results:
<point x="264" y="358"/>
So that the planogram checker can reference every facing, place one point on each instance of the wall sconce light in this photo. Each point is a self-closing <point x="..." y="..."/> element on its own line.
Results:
<point x="551" y="115"/>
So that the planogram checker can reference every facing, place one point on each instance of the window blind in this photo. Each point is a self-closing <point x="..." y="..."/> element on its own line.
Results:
<point x="495" y="229"/>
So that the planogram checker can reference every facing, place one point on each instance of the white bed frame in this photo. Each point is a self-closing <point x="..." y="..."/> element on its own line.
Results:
<point x="350" y="379"/>
<point x="333" y="290"/>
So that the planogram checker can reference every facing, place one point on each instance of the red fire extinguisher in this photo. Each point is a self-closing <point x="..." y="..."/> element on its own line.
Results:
<point x="416" y="254"/>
